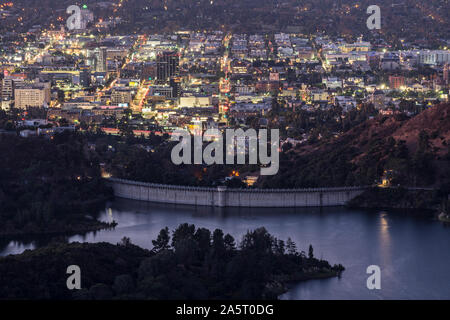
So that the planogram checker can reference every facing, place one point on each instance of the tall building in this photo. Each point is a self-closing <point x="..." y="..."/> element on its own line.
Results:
<point x="167" y="65"/>
<point x="85" y="76"/>
<point x="7" y="88"/>
<point x="32" y="95"/>
<point x="100" y="60"/>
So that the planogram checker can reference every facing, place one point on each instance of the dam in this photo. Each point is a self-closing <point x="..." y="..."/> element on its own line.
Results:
<point x="227" y="197"/>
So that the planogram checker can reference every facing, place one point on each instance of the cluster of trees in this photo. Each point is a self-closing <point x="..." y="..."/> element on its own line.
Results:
<point x="149" y="160"/>
<point x="48" y="185"/>
<point x="326" y="122"/>
<point x="351" y="160"/>
<point x="190" y="263"/>
<point x="416" y="202"/>
<point x="214" y="266"/>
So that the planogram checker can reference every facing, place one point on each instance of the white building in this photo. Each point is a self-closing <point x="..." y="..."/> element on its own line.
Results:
<point x="195" y="101"/>
<point x="32" y="95"/>
<point x="434" y="57"/>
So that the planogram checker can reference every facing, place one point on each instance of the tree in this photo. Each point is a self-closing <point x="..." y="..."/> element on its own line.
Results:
<point x="125" y="242"/>
<point x="184" y="232"/>
<point x="123" y="284"/>
<point x="310" y="252"/>
<point x="291" y="247"/>
<point x="184" y="243"/>
<point x="203" y="238"/>
<point x="162" y="241"/>
<point x="279" y="247"/>
<point x="230" y="244"/>
<point x="259" y="241"/>
<point x="424" y="141"/>
<point x="218" y="244"/>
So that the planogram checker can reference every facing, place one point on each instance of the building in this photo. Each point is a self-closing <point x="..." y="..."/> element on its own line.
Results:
<point x="7" y="88"/>
<point x="390" y="62"/>
<point x="8" y="85"/>
<point x="332" y="82"/>
<point x="396" y="82"/>
<point x="378" y="99"/>
<point x="148" y="71"/>
<point x="434" y="57"/>
<point x="345" y="102"/>
<point x="117" y="54"/>
<point x="100" y="60"/>
<point x="161" y="91"/>
<point x="359" y="46"/>
<point x="32" y="95"/>
<point x="175" y="84"/>
<point x="121" y="95"/>
<point x="85" y="77"/>
<point x="195" y="101"/>
<point x="86" y="17"/>
<point x="167" y="65"/>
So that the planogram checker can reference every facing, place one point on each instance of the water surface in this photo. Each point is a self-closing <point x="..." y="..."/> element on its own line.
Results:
<point x="412" y="252"/>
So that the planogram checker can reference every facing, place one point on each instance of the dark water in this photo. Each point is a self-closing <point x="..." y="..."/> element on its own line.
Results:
<point x="412" y="252"/>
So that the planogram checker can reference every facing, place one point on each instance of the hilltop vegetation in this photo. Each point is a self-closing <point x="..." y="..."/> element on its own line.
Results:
<point x="193" y="263"/>
<point x="415" y="152"/>
<point x="416" y="21"/>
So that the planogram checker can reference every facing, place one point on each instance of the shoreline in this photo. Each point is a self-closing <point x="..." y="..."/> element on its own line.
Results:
<point x="287" y="284"/>
<point x="81" y="229"/>
<point x="444" y="217"/>
<point x="67" y="226"/>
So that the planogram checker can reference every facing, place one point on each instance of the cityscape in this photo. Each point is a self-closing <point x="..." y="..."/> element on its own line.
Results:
<point x="224" y="150"/>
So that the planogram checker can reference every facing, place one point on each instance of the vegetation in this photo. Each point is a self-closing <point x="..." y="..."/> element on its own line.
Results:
<point x="414" y="151"/>
<point x="396" y="198"/>
<point x="49" y="186"/>
<point x="334" y="18"/>
<point x="193" y="263"/>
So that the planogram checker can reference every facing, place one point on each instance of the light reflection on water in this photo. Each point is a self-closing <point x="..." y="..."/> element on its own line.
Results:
<point x="412" y="252"/>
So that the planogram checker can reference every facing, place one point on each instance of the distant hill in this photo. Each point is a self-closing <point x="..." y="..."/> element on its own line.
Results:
<point x="415" y="150"/>
<point x="435" y="121"/>
<point x="414" y="20"/>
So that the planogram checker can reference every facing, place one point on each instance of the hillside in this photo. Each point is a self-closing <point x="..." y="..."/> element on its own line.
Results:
<point x="413" y="150"/>
<point x="408" y="19"/>
<point x="435" y="121"/>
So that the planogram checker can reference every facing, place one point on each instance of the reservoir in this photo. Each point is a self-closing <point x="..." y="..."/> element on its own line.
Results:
<point x="412" y="251"/>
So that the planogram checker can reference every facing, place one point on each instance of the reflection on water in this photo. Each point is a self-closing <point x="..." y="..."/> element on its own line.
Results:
<point x="412" y="252"/>
<point x="385" y="240"/>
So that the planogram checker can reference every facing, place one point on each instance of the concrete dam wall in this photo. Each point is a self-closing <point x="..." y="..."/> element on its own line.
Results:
<point x="223" y="197"/>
